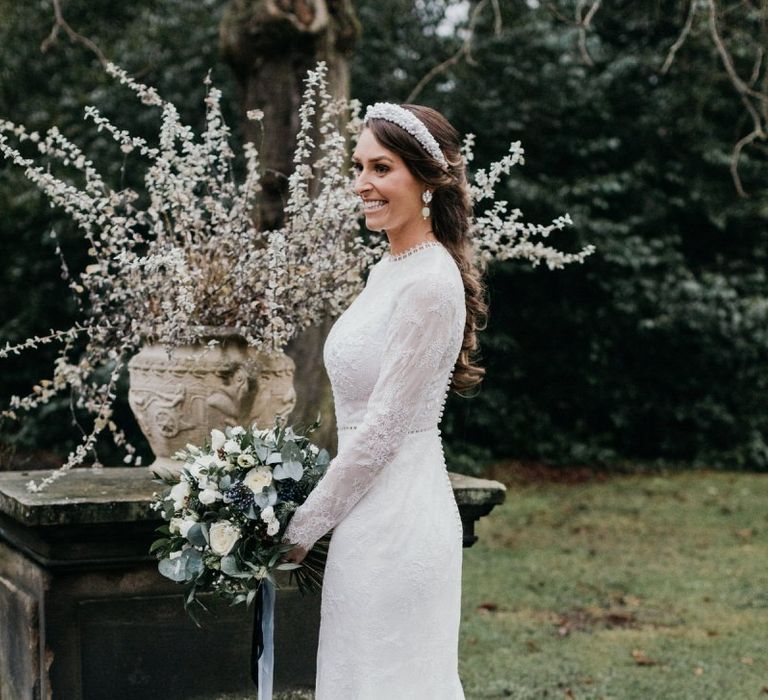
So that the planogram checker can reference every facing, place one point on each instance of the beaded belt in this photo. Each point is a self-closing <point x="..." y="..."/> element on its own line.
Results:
<point x="415" y="430"/>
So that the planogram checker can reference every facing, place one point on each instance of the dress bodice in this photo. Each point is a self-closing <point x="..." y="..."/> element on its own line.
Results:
<point x="354" y="349"/>
<point x="390" y="357"/>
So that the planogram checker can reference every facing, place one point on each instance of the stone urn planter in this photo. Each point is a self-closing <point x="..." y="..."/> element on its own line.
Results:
<point x="179" y="396"/>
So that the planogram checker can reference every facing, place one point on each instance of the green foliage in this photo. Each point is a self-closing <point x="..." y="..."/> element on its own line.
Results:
<point x="657" y="347"/>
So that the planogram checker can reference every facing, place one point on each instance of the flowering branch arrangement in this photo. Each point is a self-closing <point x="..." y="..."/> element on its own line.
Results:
<point x="184" y="255"/>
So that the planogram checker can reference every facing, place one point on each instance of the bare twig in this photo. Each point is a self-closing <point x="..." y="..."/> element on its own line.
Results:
<point x="680" y="39"/>
<point x="757" y="67"/>
<point x="465" y="51"/>
<point x="758" y="113"/>
<point x="61" y="23"/>
<point x="583" y="24"/>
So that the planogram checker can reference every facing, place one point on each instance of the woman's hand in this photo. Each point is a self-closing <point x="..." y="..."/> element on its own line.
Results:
<point x="295" y="556"/>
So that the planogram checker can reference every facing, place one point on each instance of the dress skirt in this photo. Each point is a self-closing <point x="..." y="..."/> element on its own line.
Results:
<point x="391" y="596"/>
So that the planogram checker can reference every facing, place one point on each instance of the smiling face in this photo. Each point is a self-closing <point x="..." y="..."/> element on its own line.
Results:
<point x="391" y="194"/>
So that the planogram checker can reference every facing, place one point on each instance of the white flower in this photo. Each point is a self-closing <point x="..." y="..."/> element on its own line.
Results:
<point x="193" y="449"/>
<point x="237" y="431"/>
<point x="223" y="537"/>
<point x="245" y="460"/>
<point x="210" y="495"/>
<point x="201" y="462"/>
<point x="269" y="517"/>
<point x="231" y="446"/>
<point x="175" y="525"/>
<point x="187" y="523"/>
<point x="179" y="494"/>
<point x="224" y="464"/>
<point x="258" y="478"/>
<point x="217" y="439"/>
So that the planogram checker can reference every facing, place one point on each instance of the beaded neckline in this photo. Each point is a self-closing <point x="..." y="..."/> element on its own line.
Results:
<point x="413" y="249"/>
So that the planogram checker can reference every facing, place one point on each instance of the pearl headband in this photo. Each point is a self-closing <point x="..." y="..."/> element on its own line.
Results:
<point x="411" y="123"/>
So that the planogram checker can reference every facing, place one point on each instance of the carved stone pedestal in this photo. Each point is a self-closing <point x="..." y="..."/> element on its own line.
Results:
<point x="84" y="615"/>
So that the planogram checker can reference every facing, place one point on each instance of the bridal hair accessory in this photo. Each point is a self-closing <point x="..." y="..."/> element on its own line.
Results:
<point x="411" y="123"/>
<point x="426" y="197"/>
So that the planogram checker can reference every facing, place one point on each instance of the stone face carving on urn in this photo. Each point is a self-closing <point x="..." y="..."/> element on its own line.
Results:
<point x="179" y="396"/>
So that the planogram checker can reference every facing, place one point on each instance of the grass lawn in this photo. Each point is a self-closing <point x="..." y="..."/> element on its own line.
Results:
<point x="630" y="588"/>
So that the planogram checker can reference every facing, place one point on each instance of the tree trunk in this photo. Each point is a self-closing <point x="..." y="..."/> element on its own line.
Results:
<point x="270" y="45"/>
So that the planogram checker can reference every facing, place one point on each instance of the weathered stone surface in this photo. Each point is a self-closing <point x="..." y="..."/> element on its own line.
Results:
<point x="470" y="490"/>
<point x="123" y="494"/>
<point x="107" y="495"/>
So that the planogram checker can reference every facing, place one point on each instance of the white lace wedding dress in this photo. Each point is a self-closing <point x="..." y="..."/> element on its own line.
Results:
<point x="391" y="596"/>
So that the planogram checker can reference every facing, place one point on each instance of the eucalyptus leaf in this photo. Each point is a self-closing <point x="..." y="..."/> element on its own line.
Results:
<point x="323" y="458"/>
<point x="290" y="452"/>
<point x="262" y="452"/>
<point x="173" y="569"/>
<point x="266" y="498"/>
<point x="198" y="534"/>
<point x="229" y="566"/>
<point x="193" y="563"/>
<point x="288" y="470"/>
<point x="274" y="458"/>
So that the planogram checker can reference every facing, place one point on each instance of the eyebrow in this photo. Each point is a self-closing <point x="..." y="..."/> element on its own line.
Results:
<point x="373" y="160"/>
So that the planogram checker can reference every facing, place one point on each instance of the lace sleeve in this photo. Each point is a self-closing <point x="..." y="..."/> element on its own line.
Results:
<point x="418" y="335"/>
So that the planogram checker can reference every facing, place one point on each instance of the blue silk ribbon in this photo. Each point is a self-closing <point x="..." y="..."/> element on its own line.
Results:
<point x="263" y="646"/>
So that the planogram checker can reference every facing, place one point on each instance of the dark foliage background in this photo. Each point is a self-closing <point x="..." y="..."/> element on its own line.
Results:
<point x="654" y="350"/>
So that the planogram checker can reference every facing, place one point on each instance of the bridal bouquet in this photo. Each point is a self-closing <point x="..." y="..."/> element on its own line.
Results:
<point x="228" y="508"/>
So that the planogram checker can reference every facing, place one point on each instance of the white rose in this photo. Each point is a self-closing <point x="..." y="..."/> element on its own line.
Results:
<point x="217" y="439"/>
<point x="179" y="494"/>
<point x="175" y="525"/>
<point x="231" y="446"/>
<point x="210" y="495"/>
<point x="258" y="478"/>
<point x="223" y="536"/>
<point x="245" y="460"/>
<point x="273" y="527"/>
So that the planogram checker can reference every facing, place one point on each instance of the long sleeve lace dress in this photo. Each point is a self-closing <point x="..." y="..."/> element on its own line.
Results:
<point x="391" y="596"/>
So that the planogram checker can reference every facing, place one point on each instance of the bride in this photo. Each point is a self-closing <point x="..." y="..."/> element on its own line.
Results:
<point x="391" y="597"/>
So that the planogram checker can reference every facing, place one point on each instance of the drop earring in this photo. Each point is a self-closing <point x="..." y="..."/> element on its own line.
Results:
<point x="426" y="198"/>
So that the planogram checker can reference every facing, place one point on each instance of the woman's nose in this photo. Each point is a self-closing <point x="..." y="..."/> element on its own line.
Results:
<point x="361" y="183"/>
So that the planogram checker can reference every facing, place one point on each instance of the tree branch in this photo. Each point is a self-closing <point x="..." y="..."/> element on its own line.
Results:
<point x="759" y="114"/>
<point x="465" y="51"/>
<point x="583" y="23"/>
<point x="61" y="24"/>
<point x="680" y="39"/>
